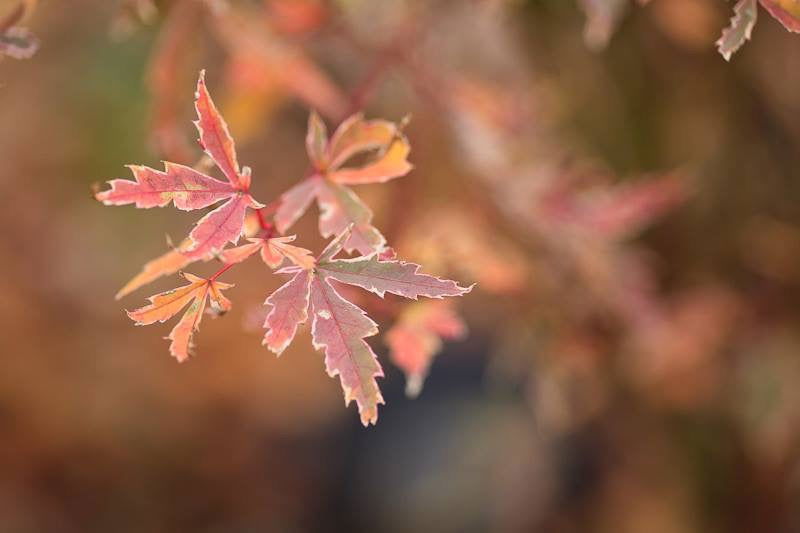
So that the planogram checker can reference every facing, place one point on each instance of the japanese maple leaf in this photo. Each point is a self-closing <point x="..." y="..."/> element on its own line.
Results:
<point x="15" y="41"/>
<point x="339" y="206"/>
<point x="338" y="326"/>
<point x="189" y="189"/>
<point x="741" y="28"/>
<point x="787" y="12"/>
<point x="417" y="336"/>
<point x="165" y="305"/>
<point x="273" y="251"/>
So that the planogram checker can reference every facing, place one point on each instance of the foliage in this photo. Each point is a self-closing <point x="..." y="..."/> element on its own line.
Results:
<point x="604" y="15"/>
<point x="17" y="41"/>
<point x="338" y="327"/>
<point x="628" y="210"/>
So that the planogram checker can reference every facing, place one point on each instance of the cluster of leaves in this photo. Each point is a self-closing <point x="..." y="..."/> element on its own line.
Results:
<point x="16" y="41"/>
<point x="338" y="327"/>
<point x="604" y="15"/>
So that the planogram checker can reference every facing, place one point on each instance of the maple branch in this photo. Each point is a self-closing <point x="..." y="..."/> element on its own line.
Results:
<point x="221" y="271"/>
<point x="263" y="212"/>
<point x="365" y="89"/>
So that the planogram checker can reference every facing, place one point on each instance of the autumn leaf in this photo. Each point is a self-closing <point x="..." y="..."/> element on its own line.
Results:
<point x="338" y="327"/>
<point x="617" y="211"/>
<point x="15" y="41"/>
<point x="18" y="43"/>
<point x="338" y="204"/>
<point x="417" y="337"/>
<point x="740" y="30"/>
<point x="188" y="189"/>
<point x="283" y="65"/>
<point x="165" y="305"/>
<point x="273" y="251"/>
<point x="785" y="11"/>
<point x="437" y="240"/>
<point x="602" y="18"/>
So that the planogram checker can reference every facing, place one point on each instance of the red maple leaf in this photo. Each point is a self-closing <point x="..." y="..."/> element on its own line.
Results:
<point x="187" y="189"/>
<point x="338" y="326"/>
<point x="339" y="206"/>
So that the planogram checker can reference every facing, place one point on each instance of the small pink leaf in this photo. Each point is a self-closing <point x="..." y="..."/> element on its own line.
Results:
<point x="240" y="253"/>
<point x="339" y="328"/>
<point x="215" y="137"/>
<point x="294" y="203"/>
<point x="339" y="208"/>
<point x="219" y="227"/>
<point x="316" y="141"/>
<point x="417" y="337"/>
<point x="184" y="186"/>
<point x="289" y="309"/>
<point x="338" y="205"/>
<point x="276" y="249"/>
<point x="18" y="43"/>
<point x="740" y="30"/>
<point x="396" y="277"/>
<point x="785" y="11"/>
<point x="391" y="164"/>
<point x="165" y="305"/>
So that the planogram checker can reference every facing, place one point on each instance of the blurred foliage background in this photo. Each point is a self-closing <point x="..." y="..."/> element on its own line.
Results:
<point x="630" y="215"/>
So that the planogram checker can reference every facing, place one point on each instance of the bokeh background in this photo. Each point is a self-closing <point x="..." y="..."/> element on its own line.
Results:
<point x="630" y="215"/>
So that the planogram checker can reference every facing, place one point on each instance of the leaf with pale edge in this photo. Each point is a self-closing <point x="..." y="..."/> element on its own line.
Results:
<point x="187" y="189"/>
<point x="165" y="305"/>
<point x="785" y="11"/>
<point x="339" y="206"/>
<point x="741" y="28"/>
<point x="338" y="326"/>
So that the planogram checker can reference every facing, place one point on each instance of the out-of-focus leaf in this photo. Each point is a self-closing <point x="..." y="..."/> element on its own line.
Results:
<point x="417" y="337"/>
<point x="18" y="43"/>
<point x="786" y="11"/>
<point x="741" y="28"/>
<point x="245" y="31"/>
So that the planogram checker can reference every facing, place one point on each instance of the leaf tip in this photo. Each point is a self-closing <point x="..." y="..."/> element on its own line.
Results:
<point x="414" y="386"/>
